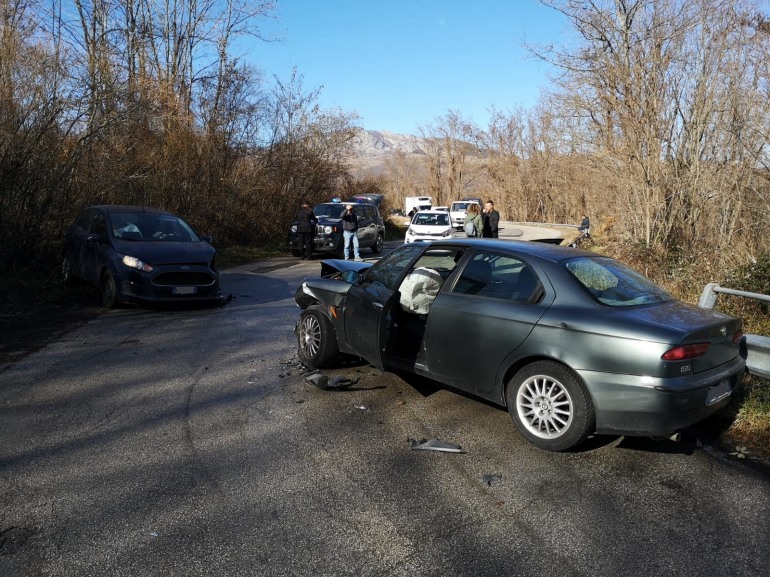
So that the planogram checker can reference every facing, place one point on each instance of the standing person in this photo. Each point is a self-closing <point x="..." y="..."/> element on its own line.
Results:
<point x="306" y="221"/>
<point x="473" y="217"/>
<point x="585" y="226"/>
<point x="350" y="232"/>
<point x="491" y="220"/>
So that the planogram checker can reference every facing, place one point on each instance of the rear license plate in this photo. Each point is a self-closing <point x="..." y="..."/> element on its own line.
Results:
<point x="183" y="290"/>
<point x="718" y="392"/>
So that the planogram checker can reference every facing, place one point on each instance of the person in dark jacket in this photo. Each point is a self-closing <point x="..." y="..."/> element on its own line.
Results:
<point x="491" y="220"/>
<point x="350" y="232"/>
<point x="585" y="226"/>
<point x="306" y="221"/>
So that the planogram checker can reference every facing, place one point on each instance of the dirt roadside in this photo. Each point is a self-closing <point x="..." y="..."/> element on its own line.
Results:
<point x="29" y="328"/>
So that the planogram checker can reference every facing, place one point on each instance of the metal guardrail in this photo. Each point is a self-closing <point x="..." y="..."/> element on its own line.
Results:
<point x="757" y="347"/>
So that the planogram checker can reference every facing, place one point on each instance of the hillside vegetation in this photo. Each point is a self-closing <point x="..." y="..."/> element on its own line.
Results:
<point x="657" y="126"/>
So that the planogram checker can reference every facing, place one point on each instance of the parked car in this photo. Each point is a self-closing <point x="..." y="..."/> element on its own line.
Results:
<point x="328" y="233"/>
<point x="135" y="254"/>
<point x="375" y="199"/>
<point x="428" y="225"/>
<point x="571" y="342"/>
<point x="457" y="212"/>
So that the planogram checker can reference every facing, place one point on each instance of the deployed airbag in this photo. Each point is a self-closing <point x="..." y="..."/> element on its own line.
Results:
<point x="419" y="290"/>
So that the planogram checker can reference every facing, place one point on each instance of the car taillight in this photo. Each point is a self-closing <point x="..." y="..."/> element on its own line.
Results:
<point x="737" y="337"/>
<point x="684" y="352"/>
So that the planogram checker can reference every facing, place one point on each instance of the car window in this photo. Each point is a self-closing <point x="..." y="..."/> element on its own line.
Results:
<point x="329" y="210"/>
<point x="614" y="284"/>
<point x="389" y="269"/>
<point x="99" y="226"/>
<point x="360" y="211"/>
<point x="441" y="260"/>
<point x="426" y="219"/>
<point x="499" y="277"/>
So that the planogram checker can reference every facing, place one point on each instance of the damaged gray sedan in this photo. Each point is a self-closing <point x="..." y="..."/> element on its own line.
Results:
<point x="571" y="342"/>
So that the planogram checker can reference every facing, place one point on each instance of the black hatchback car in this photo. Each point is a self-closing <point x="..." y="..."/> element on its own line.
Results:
<point x="328" y="232"/>
<point x="135" y="254"/>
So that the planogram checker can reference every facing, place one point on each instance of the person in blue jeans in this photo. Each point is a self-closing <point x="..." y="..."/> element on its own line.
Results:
<point x="350" y="232"/>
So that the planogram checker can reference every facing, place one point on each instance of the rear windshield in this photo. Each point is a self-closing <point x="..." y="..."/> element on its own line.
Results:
<point x="614" y="284"/>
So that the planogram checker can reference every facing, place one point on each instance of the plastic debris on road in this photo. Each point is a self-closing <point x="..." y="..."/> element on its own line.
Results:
<point x="434" y="445"/>
<point x="491" y="477"/>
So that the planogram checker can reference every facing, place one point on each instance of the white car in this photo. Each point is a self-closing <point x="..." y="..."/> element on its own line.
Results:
<point x="428" y="225"/>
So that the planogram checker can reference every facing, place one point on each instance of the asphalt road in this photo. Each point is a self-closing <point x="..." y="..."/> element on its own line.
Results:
<point x="187" y="443"/>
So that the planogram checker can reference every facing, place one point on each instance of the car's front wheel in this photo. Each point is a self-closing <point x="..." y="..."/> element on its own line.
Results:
<point x="66" y="271"/>
<point x="378" y="244"/>
<point x="316" y="339"/>
<point x="109" y="291"/>
<point x="550" y="406"/>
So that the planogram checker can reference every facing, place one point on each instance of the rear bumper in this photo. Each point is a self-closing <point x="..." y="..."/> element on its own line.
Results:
<point x="646" y="406"/>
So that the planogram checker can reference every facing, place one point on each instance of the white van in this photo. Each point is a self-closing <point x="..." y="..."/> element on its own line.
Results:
<point x="457" y="212"/>
<point x="417" y="203"/>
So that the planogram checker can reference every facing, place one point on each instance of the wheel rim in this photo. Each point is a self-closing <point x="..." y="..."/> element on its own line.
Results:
<point x="544" y="407"/>
<point x="310" y="336"/>
<point x="109" y="291"/>
<point x="379" y="243"/>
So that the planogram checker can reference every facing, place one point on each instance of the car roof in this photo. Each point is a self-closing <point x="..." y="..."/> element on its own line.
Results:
<point x="553" y="252"/>
<point x="432" y="211"/>
<point x="126" y="208"/>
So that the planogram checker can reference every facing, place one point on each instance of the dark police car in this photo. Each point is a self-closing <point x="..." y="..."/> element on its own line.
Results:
<point x="328" y="232"/>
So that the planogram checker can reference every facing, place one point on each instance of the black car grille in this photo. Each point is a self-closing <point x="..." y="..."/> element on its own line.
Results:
<point x="183" y="279"/>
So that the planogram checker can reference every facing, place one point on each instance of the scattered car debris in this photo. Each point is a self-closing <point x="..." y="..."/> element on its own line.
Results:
<point x="434" y="445"/>
<point x="491" y="477"/>
<point x="319" y="380"/>
<point x="342" y="382"/>
<point x="323" y="382"/>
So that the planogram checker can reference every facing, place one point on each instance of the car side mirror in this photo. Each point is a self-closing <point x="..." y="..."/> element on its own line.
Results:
<point x="350" y="276"/>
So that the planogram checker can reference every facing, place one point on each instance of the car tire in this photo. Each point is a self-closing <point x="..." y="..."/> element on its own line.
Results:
<point x="316" y="339"/>
<point x="378" y="244"/>
<point x="66" y="271"/>
<point x="550" y="406"/>
<point x="109" y="291"/>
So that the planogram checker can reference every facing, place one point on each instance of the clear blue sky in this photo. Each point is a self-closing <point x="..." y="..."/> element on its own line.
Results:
<point x="400" y="64"/>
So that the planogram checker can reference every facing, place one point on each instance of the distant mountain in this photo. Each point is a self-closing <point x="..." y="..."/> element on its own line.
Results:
<point x="383" y="143"/>
<point x="371" y="149"/>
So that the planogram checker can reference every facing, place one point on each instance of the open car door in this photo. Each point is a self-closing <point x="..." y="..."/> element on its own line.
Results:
<point x="369" y="320"/>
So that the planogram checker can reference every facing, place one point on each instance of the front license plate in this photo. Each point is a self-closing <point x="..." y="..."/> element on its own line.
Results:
<point x="183" y="290"/>
<point x="718" y="392"/>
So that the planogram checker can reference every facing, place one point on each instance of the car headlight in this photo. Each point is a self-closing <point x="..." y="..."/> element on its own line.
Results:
<point x="328" y="229"/>
<point x="409" y="231"/>
<point x="133" y="262"/>
<point x="448" y="232"/>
